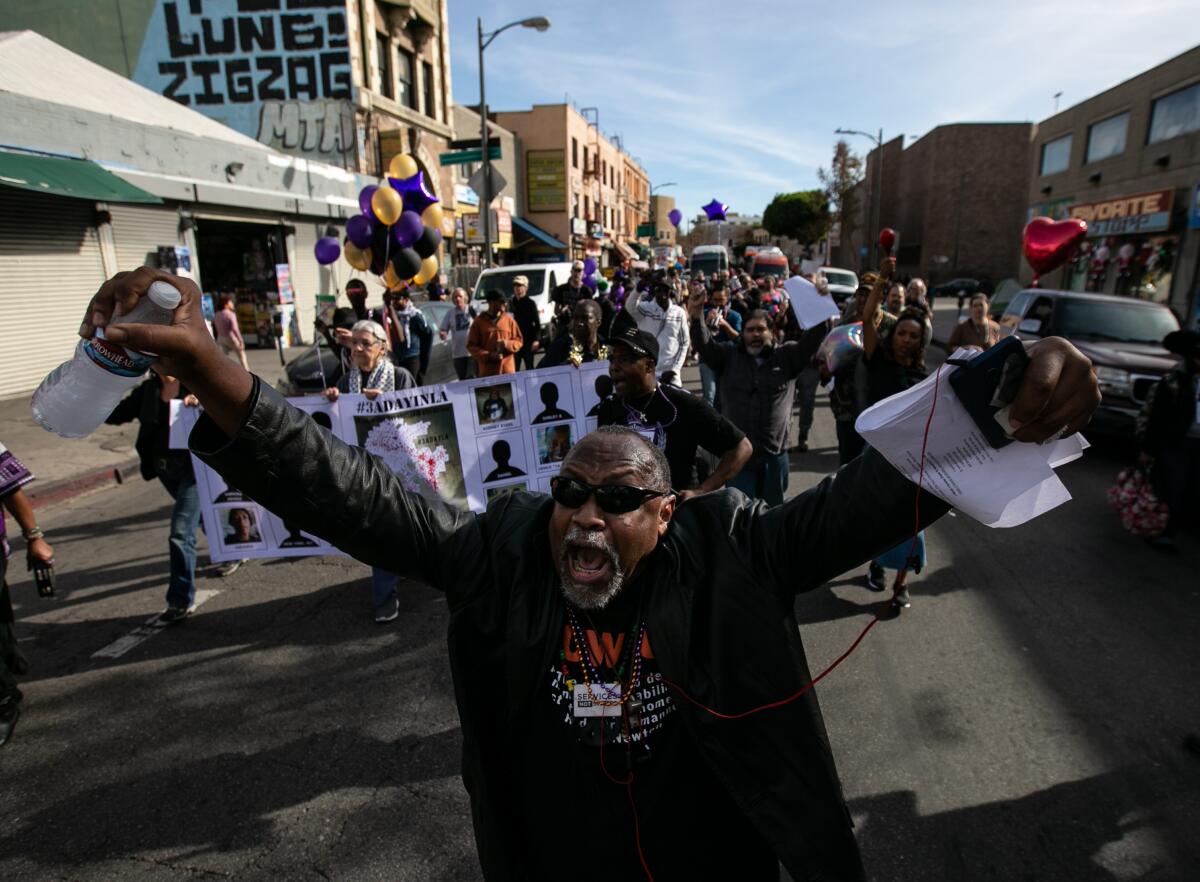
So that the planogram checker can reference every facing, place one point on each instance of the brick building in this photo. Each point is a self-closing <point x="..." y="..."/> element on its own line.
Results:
<point x="956" y="197"/>
<point x="1128" y="162"/>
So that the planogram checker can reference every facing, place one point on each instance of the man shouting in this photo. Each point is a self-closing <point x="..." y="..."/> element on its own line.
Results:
<point x="596" y="636"/>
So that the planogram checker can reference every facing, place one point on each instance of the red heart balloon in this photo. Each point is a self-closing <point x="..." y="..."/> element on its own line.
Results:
<point x="1048" y="243"/>
<point x="887" y="238"/>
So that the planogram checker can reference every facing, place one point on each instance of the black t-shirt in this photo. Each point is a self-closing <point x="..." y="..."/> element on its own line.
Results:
<point x="886" y="377"/>
<point x="525" y="313"/>
<point x="679" y="422"/>
<point x="579" y="822"/>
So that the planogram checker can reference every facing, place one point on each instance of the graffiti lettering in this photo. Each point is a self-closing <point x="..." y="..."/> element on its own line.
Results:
<point x="324" y="127"/>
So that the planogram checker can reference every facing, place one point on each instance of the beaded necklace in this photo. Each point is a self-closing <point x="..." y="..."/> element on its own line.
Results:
<point x="591" y="676"/>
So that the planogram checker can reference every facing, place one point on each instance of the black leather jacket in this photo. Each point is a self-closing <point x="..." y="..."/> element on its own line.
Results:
<point x="720" y="591"/>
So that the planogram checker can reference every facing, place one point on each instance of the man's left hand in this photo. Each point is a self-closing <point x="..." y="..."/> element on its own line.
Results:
<point x="1058" y="392"/>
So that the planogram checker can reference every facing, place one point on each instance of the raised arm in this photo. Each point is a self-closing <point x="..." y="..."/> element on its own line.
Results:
<point x="873" y="312"/>
<point x="868" y="506"/>
<point x="276" y="454"/>
<point x="711" y="352"/>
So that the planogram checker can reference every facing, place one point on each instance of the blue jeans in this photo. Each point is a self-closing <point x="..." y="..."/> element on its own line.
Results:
<point x="185" y="519"/>
<point x="383" y="586"/>
<point x="708" y="384"/>
<point x="765" y="478"/>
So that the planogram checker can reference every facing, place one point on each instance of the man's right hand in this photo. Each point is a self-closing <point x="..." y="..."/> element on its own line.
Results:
<point x="887" y="268"/>
<point x="185" y="348"/>
<point x="343" y="336"/>
<point x="696" y="304"/>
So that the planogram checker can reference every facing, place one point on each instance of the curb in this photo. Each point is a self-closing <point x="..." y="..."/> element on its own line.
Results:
<point x="53" y="492"/>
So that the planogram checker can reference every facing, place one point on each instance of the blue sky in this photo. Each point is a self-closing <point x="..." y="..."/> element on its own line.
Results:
<point x="739" y="100"/>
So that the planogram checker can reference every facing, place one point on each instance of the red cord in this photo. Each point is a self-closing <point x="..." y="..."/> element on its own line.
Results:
<point x="628" y="783"/>
<point x="937" y="377"/>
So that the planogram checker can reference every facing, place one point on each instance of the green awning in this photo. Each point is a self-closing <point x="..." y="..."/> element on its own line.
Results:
<point x="77" y="178"/>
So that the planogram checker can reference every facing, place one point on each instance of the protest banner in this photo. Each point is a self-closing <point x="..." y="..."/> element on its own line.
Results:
<point x="464" y="443"/>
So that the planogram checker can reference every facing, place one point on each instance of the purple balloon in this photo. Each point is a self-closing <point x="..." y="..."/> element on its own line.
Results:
<point x="360" y="230"/>
<point x="716" y="210"/>
<point x="589" y="266"/>
<point x="327" y="250"/>
<point x="675" y="216"/>
<point x="407" y="229"/>
<point x="364" y="199"/>
<point x="590" y="281"/>
<point x="414" y="191"/>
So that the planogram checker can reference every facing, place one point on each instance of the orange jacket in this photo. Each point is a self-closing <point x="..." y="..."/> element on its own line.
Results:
<point x="492" y="342"/>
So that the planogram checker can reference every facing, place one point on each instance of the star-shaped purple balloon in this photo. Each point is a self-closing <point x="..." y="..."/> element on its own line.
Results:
<point x="716" y="210"/>
<point x="414" y="192"/>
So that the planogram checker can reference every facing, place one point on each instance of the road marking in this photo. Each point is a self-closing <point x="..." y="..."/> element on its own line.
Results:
<point x="146" y="630"/>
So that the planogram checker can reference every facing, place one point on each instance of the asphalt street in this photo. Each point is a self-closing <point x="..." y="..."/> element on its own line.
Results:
<point x="1022" y="720"/>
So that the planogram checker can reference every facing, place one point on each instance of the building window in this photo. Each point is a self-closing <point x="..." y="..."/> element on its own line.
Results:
<point x="405" y="94"/>
<point x="427" y="76"/>
<point x="1056" y="155"/>
<point x="1107" y="137"/>
<point x="574" y="153"/>
<point x="1175" y="114"/>
<point x="383" y="53"/>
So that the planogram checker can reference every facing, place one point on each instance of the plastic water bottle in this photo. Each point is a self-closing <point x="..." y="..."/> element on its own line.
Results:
<point x="78" y="395"/>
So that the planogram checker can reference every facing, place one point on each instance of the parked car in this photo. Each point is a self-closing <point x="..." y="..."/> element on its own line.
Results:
<point x="1121" y="335"/>
<point x="842" y="283"/>
<point x="543" y="279"/>
<point x="306" y="375"/>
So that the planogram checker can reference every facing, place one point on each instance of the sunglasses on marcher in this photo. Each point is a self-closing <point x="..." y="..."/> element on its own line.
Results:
<point x="612" y="498"/>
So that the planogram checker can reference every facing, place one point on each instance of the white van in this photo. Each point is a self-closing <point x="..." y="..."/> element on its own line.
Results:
<point x="543" y="278"/>
<point x="708" y="259"/>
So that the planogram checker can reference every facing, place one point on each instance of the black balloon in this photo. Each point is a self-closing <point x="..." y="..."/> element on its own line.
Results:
<point x="407" y="262"/>
<point x="381" y="250"/>
<point x="428" y="244"/>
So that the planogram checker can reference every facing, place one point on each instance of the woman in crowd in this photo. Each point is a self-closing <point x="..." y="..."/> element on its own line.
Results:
<point x="894" y="363"/>
<point x="978" y="329"/>
<point x="225" y="328"/>
<point x="373" y="373"/>
<point x="1168" y="433"/>
<point x="457" y="325"/>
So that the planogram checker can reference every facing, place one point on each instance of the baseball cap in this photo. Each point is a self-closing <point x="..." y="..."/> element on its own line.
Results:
<point x="625" y="330"/>
<point x="494" y="294"/>
<point x="521" y="280"/>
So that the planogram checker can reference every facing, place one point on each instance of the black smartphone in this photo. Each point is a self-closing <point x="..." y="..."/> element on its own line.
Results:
<point x="43" y="577"/>
<point x="987" y="383"/>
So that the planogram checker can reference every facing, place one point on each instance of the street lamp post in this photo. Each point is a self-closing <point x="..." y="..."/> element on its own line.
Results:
<point x="539" y="23"/>
<point x="877" y="194"/>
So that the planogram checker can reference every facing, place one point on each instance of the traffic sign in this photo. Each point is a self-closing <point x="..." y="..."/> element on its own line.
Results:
<point x="646" y="229"/>
<point x="498" y="182"/>
<point x="472" y="143"/>
<point x="463" y="157"/>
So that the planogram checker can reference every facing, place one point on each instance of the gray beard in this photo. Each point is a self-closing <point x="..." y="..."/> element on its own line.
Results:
<point x="756" y="350"/>
<point x="585" y="596"/>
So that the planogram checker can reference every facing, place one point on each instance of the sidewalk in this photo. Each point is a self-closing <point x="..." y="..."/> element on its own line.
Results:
<point x="66" y="468"/>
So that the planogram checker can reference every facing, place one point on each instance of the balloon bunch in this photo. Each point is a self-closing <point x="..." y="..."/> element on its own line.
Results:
<point x="589" y="273"/>
<point x="398" y="233"/>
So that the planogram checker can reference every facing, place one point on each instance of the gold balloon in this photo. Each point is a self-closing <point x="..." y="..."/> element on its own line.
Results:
<point x="429" y="268"/>
<point x="387" y="205"/>
<point x="402" y="166"/>
<point x="359" y="258"/>
<point x="390" y="278"/>
<point x="432" y="216"/>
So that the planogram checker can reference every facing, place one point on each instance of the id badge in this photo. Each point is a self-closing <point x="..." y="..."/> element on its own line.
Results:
<point x="586" y="706"/>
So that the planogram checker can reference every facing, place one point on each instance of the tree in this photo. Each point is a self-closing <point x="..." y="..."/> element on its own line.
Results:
<point x="803" y="216"/>
<point x="845" y="173"/>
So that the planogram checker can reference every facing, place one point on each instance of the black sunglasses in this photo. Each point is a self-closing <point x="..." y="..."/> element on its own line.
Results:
<point x="612" y="498"/>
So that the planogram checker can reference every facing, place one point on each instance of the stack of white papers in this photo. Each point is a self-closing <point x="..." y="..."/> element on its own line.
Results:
<point x="1000" y="488"/>
<point x="810" y="307"/>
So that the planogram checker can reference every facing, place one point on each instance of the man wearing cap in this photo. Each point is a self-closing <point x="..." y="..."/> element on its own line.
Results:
<point x="525" y="314"/>
<point x="673" y="419"/>
<point x="665" y="320"/>
<point x="566" y="295"/>
<point x="494" y="338"/>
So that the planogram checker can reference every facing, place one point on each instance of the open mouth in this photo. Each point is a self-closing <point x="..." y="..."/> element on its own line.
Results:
<point x="589" y="565"/>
